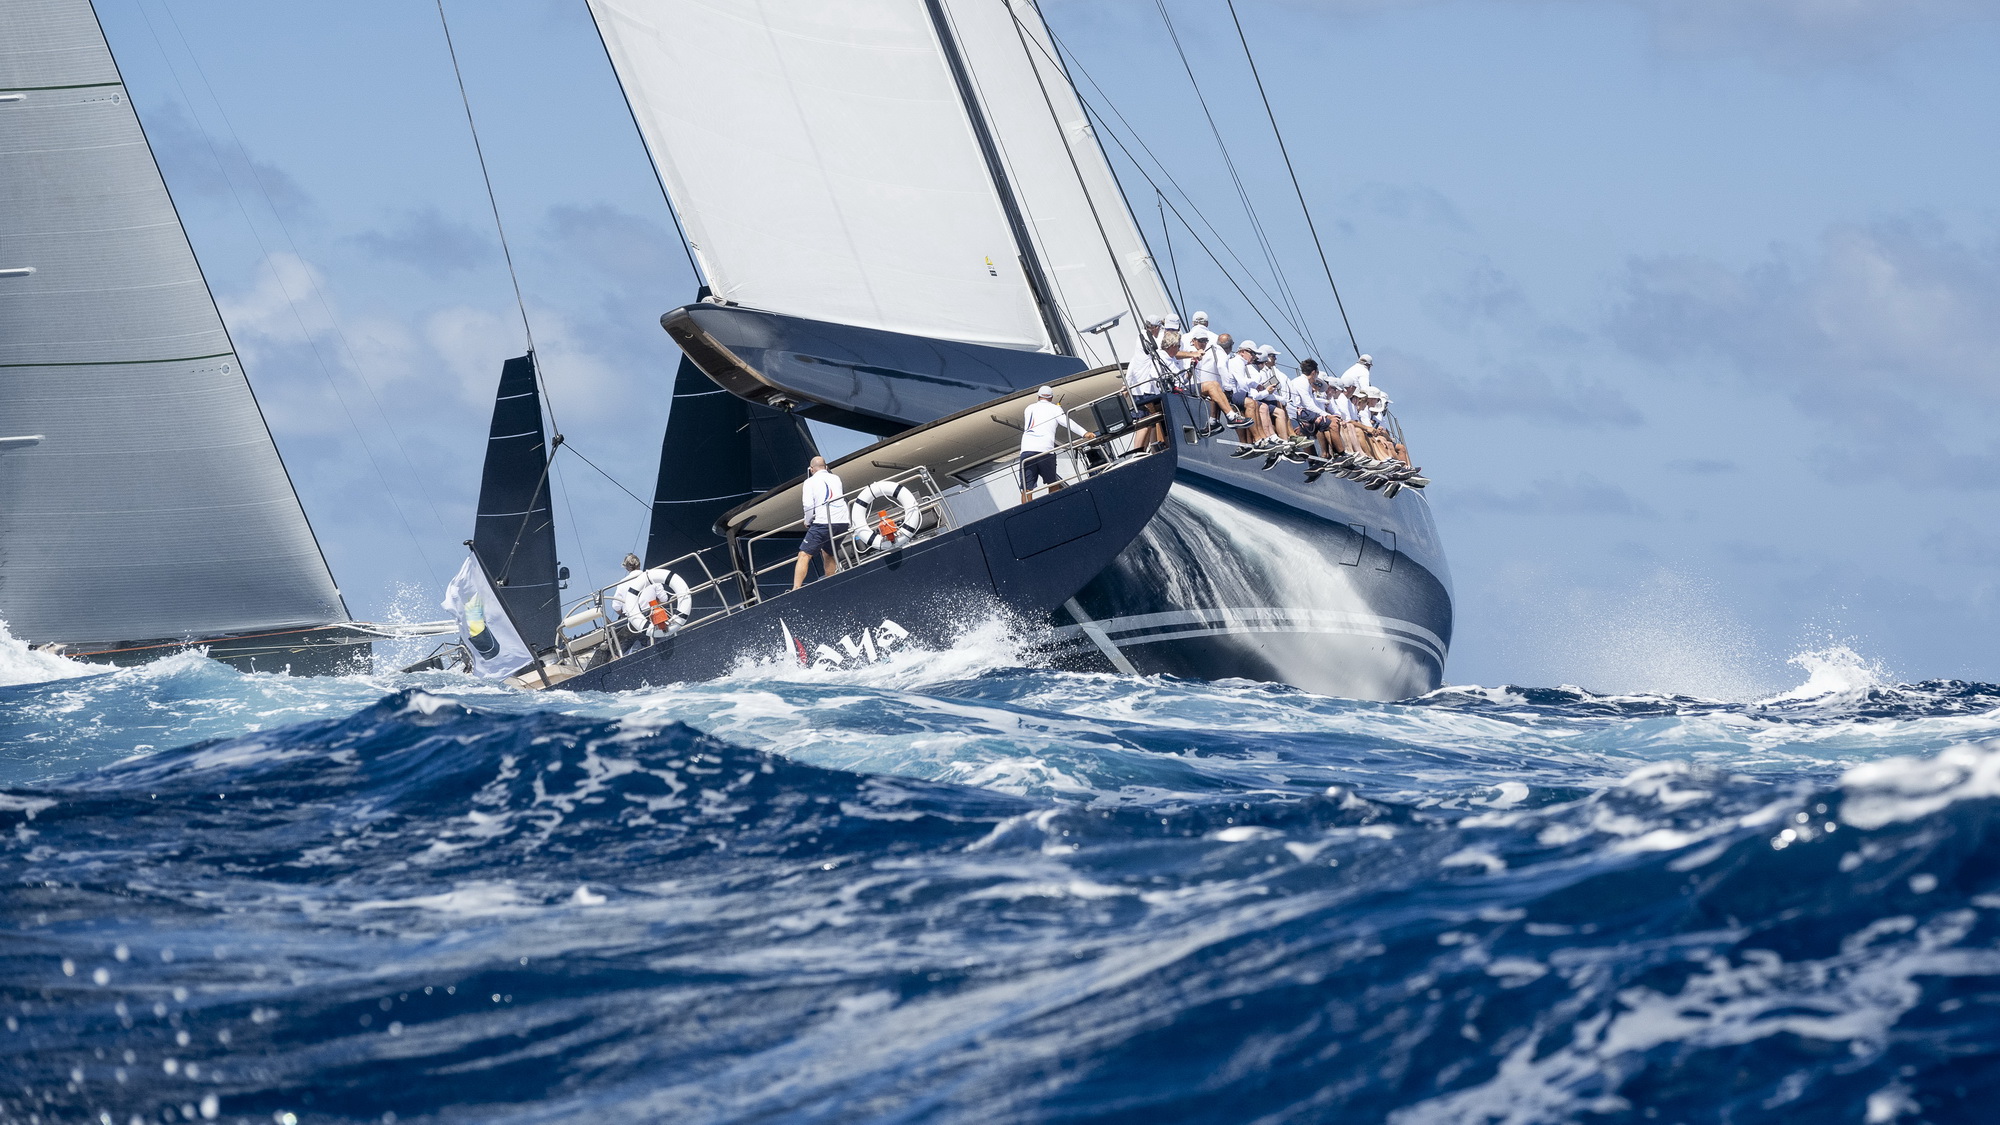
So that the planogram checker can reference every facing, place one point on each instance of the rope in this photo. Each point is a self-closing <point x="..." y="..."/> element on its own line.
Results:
<point x="491" y="200"/>
<point x="1173" y="267"/>
<point x="1104" y="236"/>
<point x="1104" y="125"/>
<point x="1245" y="40"/>
<point x="608" y="476"/>
<point x="1256" y="225"/>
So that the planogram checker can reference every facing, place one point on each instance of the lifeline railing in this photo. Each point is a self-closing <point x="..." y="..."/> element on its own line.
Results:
<point x="739" y="587"/>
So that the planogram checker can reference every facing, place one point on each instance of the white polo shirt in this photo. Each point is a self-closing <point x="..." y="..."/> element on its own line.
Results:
<point x="821" y="497"/>
<point x="1208" y="369"/>
<point x="1038" y="426"/>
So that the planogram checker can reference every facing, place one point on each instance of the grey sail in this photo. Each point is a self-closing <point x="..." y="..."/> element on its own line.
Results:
<point x="155" y="504"/>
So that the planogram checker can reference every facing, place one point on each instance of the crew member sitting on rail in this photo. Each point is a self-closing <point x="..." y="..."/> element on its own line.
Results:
<point x="1309" y="417"/>
<point x="1341" y="433"/>
<point x="1270" y="396"/>
<point x="1208" y="364"/>
<point x="826" y="520"/>
<point x="1239" y="382"/>
<point x="1371" y="405"/>
<point x="638" y="592"/>
<point x="1038" y="442"/>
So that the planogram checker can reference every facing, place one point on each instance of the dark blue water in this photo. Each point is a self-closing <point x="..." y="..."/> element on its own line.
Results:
<point x="953" y="889"/>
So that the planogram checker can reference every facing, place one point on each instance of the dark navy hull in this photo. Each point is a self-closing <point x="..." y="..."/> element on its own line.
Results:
<point x="1024" y="563"/>
<point x="1260" y="575"/>
<point x="1248" y="573"/>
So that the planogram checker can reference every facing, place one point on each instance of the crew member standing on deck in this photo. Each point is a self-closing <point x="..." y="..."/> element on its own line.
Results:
<point x="1038" y="443"/>
<point x="826" y="519"/>
<point x="1153" y="370"/>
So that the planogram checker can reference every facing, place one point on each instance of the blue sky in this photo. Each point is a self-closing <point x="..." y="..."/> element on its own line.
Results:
<point x="1691" y="309"/>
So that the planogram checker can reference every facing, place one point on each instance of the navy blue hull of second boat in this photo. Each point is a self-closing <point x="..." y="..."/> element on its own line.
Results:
<point x="1023" y="563"/>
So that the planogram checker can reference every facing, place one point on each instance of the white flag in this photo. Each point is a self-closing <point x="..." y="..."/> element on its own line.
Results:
<point x="483" y="627"/>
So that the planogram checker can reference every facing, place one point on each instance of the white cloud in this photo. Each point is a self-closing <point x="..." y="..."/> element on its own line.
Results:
<point x="1897" y="312"/>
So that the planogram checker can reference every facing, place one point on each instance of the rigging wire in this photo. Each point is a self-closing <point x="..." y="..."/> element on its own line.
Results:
<point x="1245" y="40"/>
<point x="548" y="401"/>
<point x="1243" y="194"/>
<point x="1173" y="267"/>
<point x="607" y="476"/>
<point x="1104" y="124"/>
<point x="1076" y="169"/>
<point x="492" y="201"/>
<point x="326" y="371"/>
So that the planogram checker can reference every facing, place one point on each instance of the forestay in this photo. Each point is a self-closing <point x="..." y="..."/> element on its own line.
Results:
<point x="823" y="162"/>
<point x="155" y="506"/>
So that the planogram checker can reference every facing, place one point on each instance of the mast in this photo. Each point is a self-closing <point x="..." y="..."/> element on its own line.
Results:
<point x="1031" y="262"/>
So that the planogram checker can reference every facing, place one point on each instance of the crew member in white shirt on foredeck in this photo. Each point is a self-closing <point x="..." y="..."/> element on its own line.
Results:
<point x="1356" y="375"/>
<point x="826" y="519"/>
<point x="1038" y="442"/>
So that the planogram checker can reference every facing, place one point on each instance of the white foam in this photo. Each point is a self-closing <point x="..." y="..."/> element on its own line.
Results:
<point x="1904" y="789"/>
<point x="980" y="646"/>
<point x="20" y="664"/>
<point x="1855" y="997"/>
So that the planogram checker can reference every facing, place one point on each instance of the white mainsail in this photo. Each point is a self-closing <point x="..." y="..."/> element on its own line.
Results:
<point x="155" y="505"/>
<point x="825" y="165"/>
<point x="820" y="158"/>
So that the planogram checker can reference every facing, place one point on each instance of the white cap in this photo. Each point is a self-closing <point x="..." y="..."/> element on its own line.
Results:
<point x="1201" y="318"/>
<point x="1173" y="323"/>
<point x="1201" y="332"/>
<point x="1154" y="321"/>
<point x="1247" y="346"/>
<point x="1366" y="361"/>
<point x="1269" y="352"/>
<point x="1046" y="392"/>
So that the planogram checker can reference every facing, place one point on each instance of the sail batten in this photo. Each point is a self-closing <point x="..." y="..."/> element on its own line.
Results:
<point x="156" y="506"/>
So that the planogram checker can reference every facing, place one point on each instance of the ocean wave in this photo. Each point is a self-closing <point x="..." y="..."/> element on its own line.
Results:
<point x="1017" y="895"/>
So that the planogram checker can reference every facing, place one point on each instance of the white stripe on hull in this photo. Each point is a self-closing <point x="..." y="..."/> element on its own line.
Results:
<point x="1152" y="628"/>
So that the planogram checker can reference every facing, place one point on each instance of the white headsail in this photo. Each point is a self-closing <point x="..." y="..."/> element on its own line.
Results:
<point x="826" y="166"/>
<point x="1090" y="245"/>
<point x="155" y="505"/>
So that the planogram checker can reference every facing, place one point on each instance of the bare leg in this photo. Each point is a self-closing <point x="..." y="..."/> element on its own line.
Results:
<point x="832" y="564"/>
<point x="1213" y="391"/>
<point x="799" y="570"/>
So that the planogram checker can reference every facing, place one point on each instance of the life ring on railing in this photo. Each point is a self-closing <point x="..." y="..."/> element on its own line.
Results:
<point x="664" y="620"/>
<point x="885" y="514"/>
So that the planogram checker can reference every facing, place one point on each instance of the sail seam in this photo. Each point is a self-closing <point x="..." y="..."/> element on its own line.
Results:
<point x="122" y="362"/>
<point x="76" y="86"/>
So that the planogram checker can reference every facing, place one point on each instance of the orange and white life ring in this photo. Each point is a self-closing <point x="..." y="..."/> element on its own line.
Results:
<point x="884" y="515"/>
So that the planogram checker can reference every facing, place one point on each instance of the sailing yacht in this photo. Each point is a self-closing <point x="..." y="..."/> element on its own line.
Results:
<point x="900" y="209"/>
<point x="143" y="504"/>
